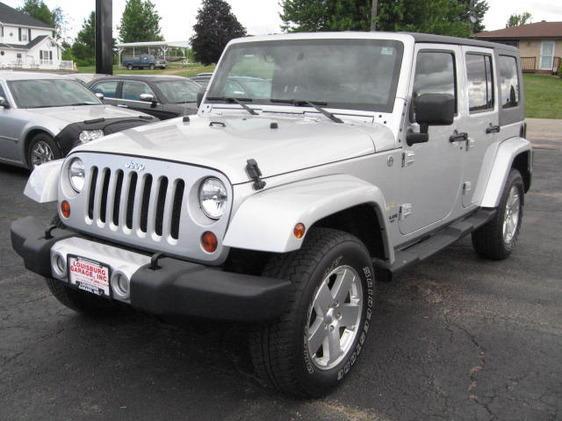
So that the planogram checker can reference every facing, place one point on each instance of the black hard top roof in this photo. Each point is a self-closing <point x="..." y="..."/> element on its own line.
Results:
<point x="440" y="39"/>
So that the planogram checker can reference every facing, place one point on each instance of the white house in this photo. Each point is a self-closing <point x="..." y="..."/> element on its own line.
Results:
<point x="28" y="43"/>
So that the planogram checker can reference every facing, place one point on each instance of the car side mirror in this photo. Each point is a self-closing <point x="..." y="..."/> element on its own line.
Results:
<point x="4" y="103"/>
<point x="431" y="110"/>
<point x="100" y="96"/>
<point x="148" y="98"/>
<point x="200" y="96"/>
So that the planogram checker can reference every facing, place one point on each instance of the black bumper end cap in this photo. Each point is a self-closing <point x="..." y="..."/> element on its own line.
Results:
<point x="181" y="290"/>
<point x="29" y="242"/>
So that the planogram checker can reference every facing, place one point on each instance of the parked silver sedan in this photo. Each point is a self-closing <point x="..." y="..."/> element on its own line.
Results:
<point x="42" y="117"/>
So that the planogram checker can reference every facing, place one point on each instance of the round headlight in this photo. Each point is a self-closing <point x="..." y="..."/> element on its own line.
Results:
<point x="213" y="198"/>
<point x="77" y="174"/>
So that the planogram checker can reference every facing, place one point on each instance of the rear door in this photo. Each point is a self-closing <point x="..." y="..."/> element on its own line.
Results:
<point x="11" y="127"/>
<point x="481" y="119"/>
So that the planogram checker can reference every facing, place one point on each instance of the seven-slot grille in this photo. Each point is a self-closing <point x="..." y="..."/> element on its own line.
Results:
<point x="134" y="202"/>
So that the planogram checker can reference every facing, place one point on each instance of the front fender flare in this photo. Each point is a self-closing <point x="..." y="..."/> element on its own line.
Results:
<point x="506" y="154"/>
<point x="266" y="220"/>
<point x="43" y="183"/>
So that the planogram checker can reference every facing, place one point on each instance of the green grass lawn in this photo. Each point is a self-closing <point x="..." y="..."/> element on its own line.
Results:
<point x="543" y="96"/>
<point x="172" y="69"/>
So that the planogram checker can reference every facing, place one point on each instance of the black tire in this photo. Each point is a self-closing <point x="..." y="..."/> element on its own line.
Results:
<point x="45" y="139"/>
<point x="488" y="240"/>
<point x="151" y="67"/>
<point x="81" y="302"/>
<point x="277" y="348"/>
<point x="130" y="67"/>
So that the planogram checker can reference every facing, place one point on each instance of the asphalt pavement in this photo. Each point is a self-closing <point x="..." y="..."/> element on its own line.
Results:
<point x="456" y="337"/>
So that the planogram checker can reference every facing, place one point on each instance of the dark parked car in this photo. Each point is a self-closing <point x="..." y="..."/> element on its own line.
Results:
<point x="144" y="61"/>
<point x="161" y="96"/>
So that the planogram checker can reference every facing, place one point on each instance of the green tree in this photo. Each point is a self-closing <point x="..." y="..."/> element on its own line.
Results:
<point x="446" y="17"/>
<point x="216" y="26"/>
<point x="519" y="19"/>
<point x="40" y="11"/>
<point x="140" y="22"/>
<point x="84" y="47"/>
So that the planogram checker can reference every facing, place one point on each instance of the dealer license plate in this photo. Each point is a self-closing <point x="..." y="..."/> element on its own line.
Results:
<point x="89" y="275"/>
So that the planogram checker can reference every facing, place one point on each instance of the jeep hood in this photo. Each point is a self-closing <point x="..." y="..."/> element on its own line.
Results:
<point x="69" y="115"/>
<point x="226" y="143"/>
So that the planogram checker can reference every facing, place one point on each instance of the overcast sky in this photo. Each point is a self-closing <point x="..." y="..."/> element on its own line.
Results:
<point x="262" y="16"/>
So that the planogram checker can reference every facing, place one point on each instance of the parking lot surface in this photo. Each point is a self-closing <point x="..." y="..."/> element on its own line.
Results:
<point x="456" y="337"/>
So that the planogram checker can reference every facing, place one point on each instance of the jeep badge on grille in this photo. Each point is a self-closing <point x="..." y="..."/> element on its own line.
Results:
<point x="135" y="166"/>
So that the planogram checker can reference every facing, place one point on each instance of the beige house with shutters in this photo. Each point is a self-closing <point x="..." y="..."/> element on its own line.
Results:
<point x="540" y="44"/>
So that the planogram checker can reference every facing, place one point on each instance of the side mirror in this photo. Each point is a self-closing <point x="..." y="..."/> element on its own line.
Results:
<point x="100" y="96"/>
<point x="200" y="96"/>
<point x="431" y="110"/>
<point x="146" y="97"/>
<point x="4" y="103"/>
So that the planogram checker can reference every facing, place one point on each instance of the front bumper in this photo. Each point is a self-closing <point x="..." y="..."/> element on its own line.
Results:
<point x="176" y="289"/>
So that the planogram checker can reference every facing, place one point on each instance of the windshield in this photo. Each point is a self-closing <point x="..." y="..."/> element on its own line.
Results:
<point x="50" y="93"/>
<point x="179" y="91"/>
<point x="345" y="74"/>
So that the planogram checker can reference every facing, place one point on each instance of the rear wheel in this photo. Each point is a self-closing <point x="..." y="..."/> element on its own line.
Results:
<point x="497" y="239"/>
<point x="42" y="149"/>
<point x="130" y="67"/>
<point x="314" y="345"/>
<point x="152" y="67"/>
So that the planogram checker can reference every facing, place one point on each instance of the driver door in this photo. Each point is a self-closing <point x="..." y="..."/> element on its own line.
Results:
<point x="432" y="171"/>
<point x="10" y="130"/>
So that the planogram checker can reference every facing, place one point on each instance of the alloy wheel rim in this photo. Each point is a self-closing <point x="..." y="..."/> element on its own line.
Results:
<point x="334" y="317"/>
<point x="511" y="215"/>
<point x="41" y="153"/>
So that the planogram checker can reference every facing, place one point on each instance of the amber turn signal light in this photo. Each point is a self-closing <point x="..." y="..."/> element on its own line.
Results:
<point x="209" y="242"/>
<point x="65" y="209"/>
<point x="299" y="230"/>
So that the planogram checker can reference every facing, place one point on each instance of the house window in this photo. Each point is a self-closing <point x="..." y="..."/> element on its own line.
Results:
<point x="45" y="55"/>
<point x="22" y="35"/>
<point x="480" y="82"/>
<point x="509" y="82"/>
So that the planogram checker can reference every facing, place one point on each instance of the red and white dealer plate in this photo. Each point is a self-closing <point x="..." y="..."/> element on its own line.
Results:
<point x="89" y="276"/>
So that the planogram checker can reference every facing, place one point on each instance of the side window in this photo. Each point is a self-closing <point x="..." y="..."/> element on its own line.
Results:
<point x="133" y="90"/>
<point x="480" y="82"/>
<point x="509" y="82"/>
<point x="435" y="74"/>
<point x="108" y="89"/>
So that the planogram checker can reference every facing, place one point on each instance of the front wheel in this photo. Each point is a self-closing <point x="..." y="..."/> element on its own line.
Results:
<point x="317" y="341"/>
<point x="42" y="149"/>
<point x="496" y="239"/>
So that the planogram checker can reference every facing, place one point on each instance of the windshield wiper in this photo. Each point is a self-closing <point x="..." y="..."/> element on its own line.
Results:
<point x="238" y="101"/>
<point x="317" y="105"/>
<point x="78" y="104"/>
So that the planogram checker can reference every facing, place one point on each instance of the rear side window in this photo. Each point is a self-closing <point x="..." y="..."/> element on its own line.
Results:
<point x="435" y="74"/>
<point x="509" y="81"/>
<point x="108" y="89"/>
<point x="480" y="82"/>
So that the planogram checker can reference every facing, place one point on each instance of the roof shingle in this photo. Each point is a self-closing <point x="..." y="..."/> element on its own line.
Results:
<point x="12" y="16"/>
<point x="547" y="30"/>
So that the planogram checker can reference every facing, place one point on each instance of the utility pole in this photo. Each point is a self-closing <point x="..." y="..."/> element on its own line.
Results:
<point x="374" y="14"/>
<point x="104" y="37"/>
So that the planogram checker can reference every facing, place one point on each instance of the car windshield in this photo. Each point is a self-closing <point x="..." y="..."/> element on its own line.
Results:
<point x="179" y="91"/>
<point x="42" y="93"/>
<point x="344" y="74"/>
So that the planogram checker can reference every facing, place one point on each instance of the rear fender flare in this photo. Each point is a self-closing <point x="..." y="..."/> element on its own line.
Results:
<point x="505" y="156"/>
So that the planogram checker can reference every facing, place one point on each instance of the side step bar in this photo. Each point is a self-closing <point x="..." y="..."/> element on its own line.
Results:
<point x="436" y="241"/>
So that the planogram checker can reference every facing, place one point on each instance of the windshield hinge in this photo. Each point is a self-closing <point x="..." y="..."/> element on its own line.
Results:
<point x="254" y="172"/>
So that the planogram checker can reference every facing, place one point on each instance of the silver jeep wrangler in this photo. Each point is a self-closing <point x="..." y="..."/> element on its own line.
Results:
<point x="317" y="165"/>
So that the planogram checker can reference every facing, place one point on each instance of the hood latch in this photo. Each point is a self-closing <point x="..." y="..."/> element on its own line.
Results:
<point x="254" y="172"/>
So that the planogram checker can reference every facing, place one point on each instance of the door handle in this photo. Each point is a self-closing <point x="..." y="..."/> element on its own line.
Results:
<point x="493" y="129"/>
<point x="122" y="105"/>
<point x="458" y="137"/>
